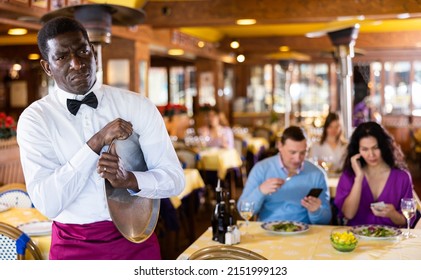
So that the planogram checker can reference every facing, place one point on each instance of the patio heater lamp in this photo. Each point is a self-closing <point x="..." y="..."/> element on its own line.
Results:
<point x="344" y="41"/>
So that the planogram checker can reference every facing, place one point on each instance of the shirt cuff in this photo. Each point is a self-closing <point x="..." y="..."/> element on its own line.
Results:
<point x="85" y="157"/>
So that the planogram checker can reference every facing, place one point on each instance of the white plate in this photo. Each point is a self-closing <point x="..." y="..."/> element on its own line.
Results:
<point x="4" y="207"/>
<point x="374" y="232"/>
<point x="269" y="226"/>
<point x="36" y="228"/>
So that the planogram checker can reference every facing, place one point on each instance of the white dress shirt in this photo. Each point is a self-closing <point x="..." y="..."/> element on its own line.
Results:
<point x="60" y="168"/>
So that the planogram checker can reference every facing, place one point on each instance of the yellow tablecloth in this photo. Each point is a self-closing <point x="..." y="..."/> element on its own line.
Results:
<point x="18" y="216"/>
<point x="255" y="144"/>
<point x="314" y="245"/>
<point x="220" y="160"/>
<point x="193" y="182"/>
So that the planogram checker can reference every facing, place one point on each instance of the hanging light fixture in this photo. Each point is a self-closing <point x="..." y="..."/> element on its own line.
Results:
<point x="234" y="44"/>
<point x="241" y="58"/>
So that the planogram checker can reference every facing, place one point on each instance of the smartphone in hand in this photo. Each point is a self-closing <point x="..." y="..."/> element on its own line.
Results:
<point x="315" y="192"/>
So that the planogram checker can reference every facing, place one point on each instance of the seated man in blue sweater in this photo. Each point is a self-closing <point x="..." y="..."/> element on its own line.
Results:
<point x="279" y="185"/>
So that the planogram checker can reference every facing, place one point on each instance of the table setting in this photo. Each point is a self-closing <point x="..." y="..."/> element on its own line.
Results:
<point x="292" y="240"/>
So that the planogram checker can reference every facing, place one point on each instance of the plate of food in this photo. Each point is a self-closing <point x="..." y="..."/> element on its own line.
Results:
<point x="36" y="228"/>
<point x="376" y="232"/>
<point x="285" y="227"/>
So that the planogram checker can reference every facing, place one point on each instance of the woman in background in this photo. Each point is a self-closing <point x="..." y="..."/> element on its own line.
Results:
<point x="374" y="171"/>
<point x="217" y="134"/>
<point x="332" y="145"/>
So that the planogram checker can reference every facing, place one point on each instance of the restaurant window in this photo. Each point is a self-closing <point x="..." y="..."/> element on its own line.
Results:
<point x="416" y="89"/>
<point x="177" y="92"/>
<point x="158" y="85"/>
<point x="206" y="89"/>
<point x="191" y="88"/>
<point x="310" y="89"/>
<point x="397" y="88"/>
<point x="375" y="84"/>
<point x="259" y="90"/>
<point x="280" y="100"/>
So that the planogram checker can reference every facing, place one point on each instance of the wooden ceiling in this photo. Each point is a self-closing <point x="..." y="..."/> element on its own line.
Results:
<point x="278" y="23"/>
<point x="285" y="23"/>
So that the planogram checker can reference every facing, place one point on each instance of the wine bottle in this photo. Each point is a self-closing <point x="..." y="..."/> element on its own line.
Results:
<point x="232" y="214"/>
<point x="216" y="210"/>
<point x="222" y="222"/>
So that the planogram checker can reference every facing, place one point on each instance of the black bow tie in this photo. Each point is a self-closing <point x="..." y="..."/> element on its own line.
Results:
<point x="73" y="105"/>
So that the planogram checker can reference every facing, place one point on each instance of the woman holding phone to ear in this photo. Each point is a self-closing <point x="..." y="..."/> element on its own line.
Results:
<point x="374" y="171"/>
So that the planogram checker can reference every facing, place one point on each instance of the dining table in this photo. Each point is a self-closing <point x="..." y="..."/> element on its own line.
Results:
<point x="219" y="160"/>
<point x="26" y="216"/>
<point x="313" y="244"/>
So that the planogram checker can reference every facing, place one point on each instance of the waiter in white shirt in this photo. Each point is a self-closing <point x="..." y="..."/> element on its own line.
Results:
<point x="63" y="141"/>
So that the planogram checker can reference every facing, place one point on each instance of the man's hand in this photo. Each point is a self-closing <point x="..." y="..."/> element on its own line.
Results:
<point x="117" y="129"/>
<point x="271" y="185"/>
<point x="311" y="203"/>
<point x="110" y="167"/>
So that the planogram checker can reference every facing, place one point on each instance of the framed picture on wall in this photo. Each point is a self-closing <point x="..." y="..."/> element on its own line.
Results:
<point x="18" y="94"/>
<point x="118" y="73"/>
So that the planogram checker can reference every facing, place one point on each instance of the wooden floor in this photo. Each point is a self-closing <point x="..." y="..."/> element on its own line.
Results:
<point x="173" y="244"/>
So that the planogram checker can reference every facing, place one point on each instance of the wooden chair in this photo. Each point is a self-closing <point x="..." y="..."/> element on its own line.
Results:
<point x="187" y="156"/>
<point x="15" y="243"/>
<point x="241" y="148"/>
<point x="15" y="195"/>
<point x="10" y="165"/>
<point x="417" y="223"/>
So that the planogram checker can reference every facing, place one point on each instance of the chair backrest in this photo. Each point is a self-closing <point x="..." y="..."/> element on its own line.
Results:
<point x="187" y="156"/>
<point x="10" y="165"/>
<point x="417" y="223"/>
<point x="262" y="131"/>
<point x="239" y="146"/>
<point x="14" y="244"/>
<point x="15" y="195"/>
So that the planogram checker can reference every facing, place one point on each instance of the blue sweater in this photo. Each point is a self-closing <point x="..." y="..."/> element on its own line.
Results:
<point x="285" y="203"/>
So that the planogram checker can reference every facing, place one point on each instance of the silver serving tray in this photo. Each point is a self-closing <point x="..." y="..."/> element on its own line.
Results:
<point x="134" y="216"/>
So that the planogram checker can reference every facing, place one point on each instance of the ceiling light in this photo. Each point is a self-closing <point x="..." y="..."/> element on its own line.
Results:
<point x="33" y="56"/>
<point x="241" y="58"/>
<point x="284" y="48"/>
<point x="17" y="31"/>
<point x="16" y="67"/>
<point x="175" y="52"/>
<point x="246" y="21"/>
<point x="234" y="44"/>
<point x="200" y="44"/>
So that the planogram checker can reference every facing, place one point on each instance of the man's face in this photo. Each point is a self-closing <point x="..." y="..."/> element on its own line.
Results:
<point x="293" y="153"/>
<point x="71" y="62"/>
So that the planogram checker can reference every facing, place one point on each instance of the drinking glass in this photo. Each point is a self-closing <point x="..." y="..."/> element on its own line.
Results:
<point x="246" y="212"/>
<point x="408" y="208"/>
<point x="327" y="163"/>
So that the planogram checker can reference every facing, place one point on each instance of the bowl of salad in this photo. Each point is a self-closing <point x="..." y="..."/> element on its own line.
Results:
<point x="343" y="240"/>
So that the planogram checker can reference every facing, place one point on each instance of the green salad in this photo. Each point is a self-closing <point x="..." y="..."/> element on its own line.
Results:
<point x="286" y="226"/>
<point x="373" y="231"/>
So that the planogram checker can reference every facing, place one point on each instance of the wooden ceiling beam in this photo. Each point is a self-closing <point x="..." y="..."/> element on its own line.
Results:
<point x="366" y="41"/>
<point x="188" y="13"/>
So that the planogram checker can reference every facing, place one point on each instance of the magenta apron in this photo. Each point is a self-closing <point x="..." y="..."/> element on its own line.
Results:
<point x="98" y="241"/>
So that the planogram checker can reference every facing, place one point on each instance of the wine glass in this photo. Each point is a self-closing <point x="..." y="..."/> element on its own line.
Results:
<point x="327" y="163"/>
<point x="246" y="212"/>
<point x="408" y="208"/>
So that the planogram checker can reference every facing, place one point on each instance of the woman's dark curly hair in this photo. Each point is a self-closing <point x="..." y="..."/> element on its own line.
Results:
<point x="390" y="150"/>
